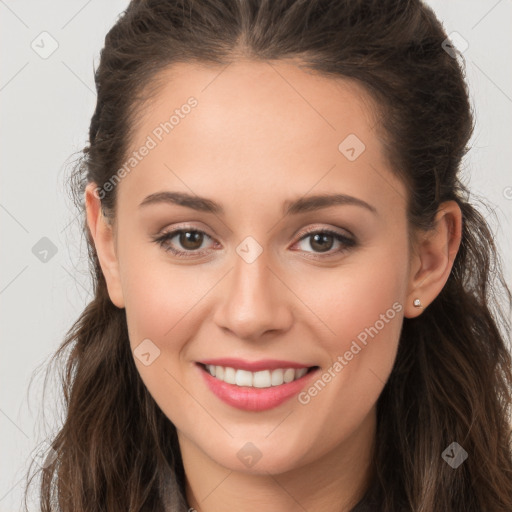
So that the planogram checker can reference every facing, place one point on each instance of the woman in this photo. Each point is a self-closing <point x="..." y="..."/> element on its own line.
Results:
<point x="293" y="301"/>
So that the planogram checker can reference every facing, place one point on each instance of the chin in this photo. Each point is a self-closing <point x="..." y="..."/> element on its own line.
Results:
<point x="248" y="458"/>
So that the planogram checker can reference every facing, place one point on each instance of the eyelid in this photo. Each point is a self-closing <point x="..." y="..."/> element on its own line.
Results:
<point x="348" y="241"/>
<point x="321" y="227"/>
<point x="165" y="235"/>
<point x="300" y="234"/>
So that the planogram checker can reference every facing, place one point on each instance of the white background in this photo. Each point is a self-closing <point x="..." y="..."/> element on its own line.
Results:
<point x="46" y="106"/>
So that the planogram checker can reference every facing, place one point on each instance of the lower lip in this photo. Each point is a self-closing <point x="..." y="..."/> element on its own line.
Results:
<point x="254" y="399"/>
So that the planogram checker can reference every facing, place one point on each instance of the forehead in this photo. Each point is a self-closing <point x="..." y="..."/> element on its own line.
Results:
<point x="257" y="126"/>
<point x="275" y="97"/>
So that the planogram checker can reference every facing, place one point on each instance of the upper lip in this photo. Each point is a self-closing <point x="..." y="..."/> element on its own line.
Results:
<point x="253" y="366"/>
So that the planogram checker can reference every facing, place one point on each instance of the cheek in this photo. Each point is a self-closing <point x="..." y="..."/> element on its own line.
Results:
<point x="161" y="298"/>
<point x="158" y="294"/>
<point x="361" y="311"/>
<point x="340" y="309"/>
<point x="352" y="299"/>
<point x="162" y="303"/>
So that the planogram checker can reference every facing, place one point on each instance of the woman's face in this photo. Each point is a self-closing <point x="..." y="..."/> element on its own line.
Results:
<point x="256" y="290"/>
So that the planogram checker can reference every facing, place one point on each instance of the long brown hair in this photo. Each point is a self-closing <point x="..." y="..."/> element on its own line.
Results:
<point x="452" y="378"/>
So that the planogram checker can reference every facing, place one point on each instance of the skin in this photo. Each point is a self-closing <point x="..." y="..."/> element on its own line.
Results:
<point x="263" y="133"/>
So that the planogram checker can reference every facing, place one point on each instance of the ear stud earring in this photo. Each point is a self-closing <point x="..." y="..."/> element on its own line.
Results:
<point x="417" y="303"/>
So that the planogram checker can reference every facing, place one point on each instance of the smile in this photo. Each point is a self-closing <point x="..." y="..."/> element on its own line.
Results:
<point x="258" y="390"/>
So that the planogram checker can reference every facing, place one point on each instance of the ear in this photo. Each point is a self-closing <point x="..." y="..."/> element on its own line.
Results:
<point x="102" y="234"/>
<point x="434" y="254"/>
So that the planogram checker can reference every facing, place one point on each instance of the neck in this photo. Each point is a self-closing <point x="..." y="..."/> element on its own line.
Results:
<point x="334" y="482"/>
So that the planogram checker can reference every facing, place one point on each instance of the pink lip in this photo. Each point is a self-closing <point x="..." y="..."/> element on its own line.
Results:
<point x="254" y="366"/>
<point x="255" y="399"/>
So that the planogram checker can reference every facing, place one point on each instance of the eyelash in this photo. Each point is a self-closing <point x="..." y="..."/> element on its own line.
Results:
<point x="163" y="239"/>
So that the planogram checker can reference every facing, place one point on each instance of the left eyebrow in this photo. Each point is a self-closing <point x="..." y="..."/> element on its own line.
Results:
<point x="317" y="202"/>
<point x="290" y="207"/>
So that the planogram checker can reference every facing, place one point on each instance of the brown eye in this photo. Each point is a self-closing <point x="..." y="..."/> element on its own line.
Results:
<point x="190" y="240"/>
<point x="323" y="241"/>
<point x="187" y="242"/>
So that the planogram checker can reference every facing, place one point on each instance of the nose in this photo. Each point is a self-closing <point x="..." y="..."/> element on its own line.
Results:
<point x="254" y="301"/>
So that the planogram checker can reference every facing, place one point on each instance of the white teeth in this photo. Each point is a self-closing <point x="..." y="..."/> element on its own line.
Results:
<point x="289" y="375"/>
<point x="243" y="378"/>
<point x="277" y="377"/>
<point x="229" y="375"/>
<point x="260" y="379"/>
